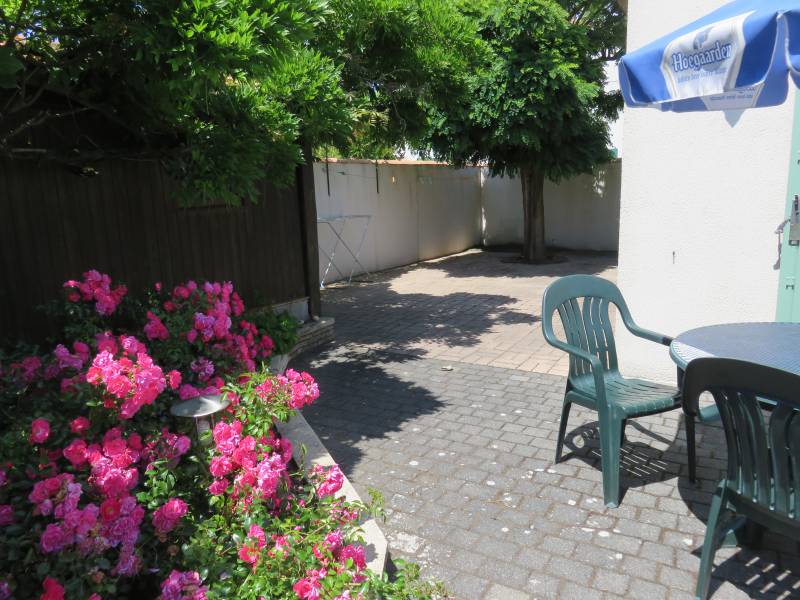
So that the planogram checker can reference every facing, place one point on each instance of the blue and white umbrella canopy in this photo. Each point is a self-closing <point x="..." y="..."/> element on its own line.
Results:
<point x="742" y="55"/>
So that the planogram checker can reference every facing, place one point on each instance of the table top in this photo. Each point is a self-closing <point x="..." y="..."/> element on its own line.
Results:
<point x="775" y="345"/>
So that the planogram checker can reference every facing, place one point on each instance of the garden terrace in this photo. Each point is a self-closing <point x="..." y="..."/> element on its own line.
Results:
<point x="441" y="393"/>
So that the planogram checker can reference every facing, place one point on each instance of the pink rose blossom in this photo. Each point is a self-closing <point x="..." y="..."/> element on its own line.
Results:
<point x="309" y="587"/>
<point x="220" y="466"/>
<point x="218" y="487"/>
<point x="334" y="540"/>
<point x="54" y="538"/>
<point x="249" y="554"/>
<point x="155" y="329"/>
<point x="332" y="483"/>
<point x="80" y="425"/>
<point x="6" y="514"/>
<point x="187" y="392"/>
<point x="355" y="553"/>
<point x="227" y="436"/>
<point x="75" y="452"/>
<point x="174" y="379"/>
<point x="183" y="585"/>
<point x="166" y="517"/>
<point x="53" y="590"/>
<point x="40" y="431"/>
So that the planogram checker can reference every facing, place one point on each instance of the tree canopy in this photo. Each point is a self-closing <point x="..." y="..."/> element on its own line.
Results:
<point x="537" y="105"/>
<point x="227" y="92"/>
<point x="538" y="99"/>
<point x="220" y="91"/>
<point x="224" y="92"/>
<point x="400" y="60"/>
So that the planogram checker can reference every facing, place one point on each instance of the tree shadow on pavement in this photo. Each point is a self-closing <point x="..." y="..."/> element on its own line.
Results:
<point x="364" y="399"/>
<point x="502" y="264"/>
<point x="377" y="315"/>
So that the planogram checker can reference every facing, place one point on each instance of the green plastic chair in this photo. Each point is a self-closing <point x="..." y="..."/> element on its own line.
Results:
<point x="582" y="302"/>
<point x="761" y="484"/>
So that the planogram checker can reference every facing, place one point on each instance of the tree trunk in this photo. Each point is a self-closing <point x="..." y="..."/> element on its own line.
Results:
<point x="533" y="248"/>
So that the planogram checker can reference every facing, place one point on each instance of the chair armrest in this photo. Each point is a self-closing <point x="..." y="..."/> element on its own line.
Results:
<point x="658" y="338"/>
<point x="597" y="368"/>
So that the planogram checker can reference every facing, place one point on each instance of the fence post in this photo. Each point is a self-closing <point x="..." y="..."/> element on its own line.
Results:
<point x="307" y="202"/>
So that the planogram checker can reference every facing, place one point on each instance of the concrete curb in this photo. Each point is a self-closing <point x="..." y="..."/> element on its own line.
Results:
<point x="300" y="433"/>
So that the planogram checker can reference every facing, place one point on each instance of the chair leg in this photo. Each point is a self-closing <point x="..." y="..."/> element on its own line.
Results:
<point x="562" y="428"/>
<point x="710" y="544"/>
<point x="690" y="443"/>
<point x="622" y="433"/>
<point x="610" y="435"/>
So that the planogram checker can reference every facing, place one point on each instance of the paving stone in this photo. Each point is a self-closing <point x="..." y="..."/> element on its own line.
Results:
<point x="467" y="586"/>
<point x="615" y="583"/>
<point x="639" y="588"/>
<point x="639" y="567"/>
<point x="501" y="592"/>
<point x="553" y="545"/>
<point x="570" y="570"/>
<point x="566" y="513"/>
<point x="543" y="586"/>
<point x="658" y="518"/>
<point x="637" y="529"/>
<point x="658" y="553"/>
<point x="677" y="579"/>
<point x="504" y="571"/>
<point x="572" y="591"/>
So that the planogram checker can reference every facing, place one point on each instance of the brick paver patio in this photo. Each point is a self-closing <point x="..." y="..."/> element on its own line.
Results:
<point x="472" y="307"/>
<point x="462" y="451"/>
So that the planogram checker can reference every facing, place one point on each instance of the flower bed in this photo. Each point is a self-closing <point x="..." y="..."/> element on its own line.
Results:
<point x="104" y="494"/>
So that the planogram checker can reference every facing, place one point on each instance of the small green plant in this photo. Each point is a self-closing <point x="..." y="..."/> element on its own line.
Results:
<point x="282" y="328"/>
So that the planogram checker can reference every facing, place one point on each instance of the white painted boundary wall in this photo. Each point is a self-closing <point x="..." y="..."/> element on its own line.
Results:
<point x="702" y="194"/>
<point x="423" y="210"/>
<point x="581" y="213"/>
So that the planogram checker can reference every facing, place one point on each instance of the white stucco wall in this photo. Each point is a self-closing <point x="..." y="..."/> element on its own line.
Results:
<point x="419" y="211"/>
<point x="580" y="213"/>
<point x="701" y="197"/>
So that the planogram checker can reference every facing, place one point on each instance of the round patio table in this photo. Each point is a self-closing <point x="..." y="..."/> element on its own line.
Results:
<point x="775" y="345"/>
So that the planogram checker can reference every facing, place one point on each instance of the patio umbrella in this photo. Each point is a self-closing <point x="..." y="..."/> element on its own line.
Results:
<point x="740" y="56"/>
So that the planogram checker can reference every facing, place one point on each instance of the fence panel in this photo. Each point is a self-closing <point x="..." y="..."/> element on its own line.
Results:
<point x="126" y="221"/>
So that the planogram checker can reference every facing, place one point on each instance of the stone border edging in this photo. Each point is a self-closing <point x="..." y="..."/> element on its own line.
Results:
<point x="300" y="433"/>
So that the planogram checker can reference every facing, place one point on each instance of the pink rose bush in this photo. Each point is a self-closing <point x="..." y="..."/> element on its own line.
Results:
<point x="131" y="380"/>
<point x="103" y="490"/>
<point x="96" y="288"/>
<point x="185" y="585"/>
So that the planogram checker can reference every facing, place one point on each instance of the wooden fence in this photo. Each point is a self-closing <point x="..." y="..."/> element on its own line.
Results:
<point x="126" y="222"/>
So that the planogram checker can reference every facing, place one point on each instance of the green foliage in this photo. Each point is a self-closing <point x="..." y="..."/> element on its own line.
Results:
<point x="220" y="91"/>
<point x="400" y="59"/>
<point x="538" y="99"/>
<point x="282" y="328"/>
<point x="223" y="91"/>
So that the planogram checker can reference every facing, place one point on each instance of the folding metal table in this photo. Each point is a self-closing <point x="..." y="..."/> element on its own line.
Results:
<point x="337" y="225"/>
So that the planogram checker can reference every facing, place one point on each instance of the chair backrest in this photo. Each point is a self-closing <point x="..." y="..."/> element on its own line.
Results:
<point x="763" y="453"/>
<point x="582" y="302"/>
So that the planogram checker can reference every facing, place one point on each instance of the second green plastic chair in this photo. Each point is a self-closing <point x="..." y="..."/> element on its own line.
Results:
<point x="763" y="474"/>
<point x="582" y="303"/>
